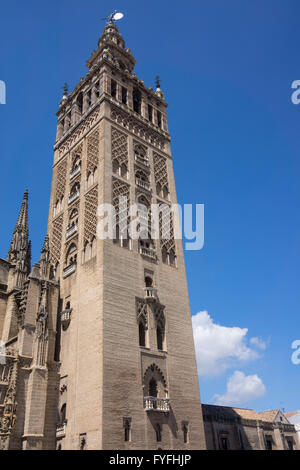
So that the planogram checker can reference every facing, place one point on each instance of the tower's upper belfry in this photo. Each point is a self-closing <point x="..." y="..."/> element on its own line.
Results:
<point x="111" y="45"/>
<point x="111" y="77"/>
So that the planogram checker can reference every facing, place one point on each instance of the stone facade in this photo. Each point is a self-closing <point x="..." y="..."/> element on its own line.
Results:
<point x="98" y="335"/>
<point x="229" y="428"/>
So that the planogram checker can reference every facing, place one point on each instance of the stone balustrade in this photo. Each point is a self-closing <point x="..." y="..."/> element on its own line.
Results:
<point x="73" y="197"/>
<point x="71" y="230"/>
<point x="157" y="404"/>
<point x="75" y="172"/>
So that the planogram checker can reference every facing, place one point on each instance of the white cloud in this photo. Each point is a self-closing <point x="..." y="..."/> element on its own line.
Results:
<point x="258" y="342"/>
<point x="240" y="389"/>
<point x="219" y="348"/>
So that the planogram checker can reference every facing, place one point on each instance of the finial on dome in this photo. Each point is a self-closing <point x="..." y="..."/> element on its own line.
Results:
<point x="65" y="89"/>
<point x="157" y="82"/>
<point x="158" y="91"/>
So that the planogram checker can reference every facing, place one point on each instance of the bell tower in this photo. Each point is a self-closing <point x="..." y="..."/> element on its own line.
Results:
<point x="128" y="376"/>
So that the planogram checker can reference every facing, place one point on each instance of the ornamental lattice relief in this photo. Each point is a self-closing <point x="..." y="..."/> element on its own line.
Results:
<point x="56" y="238"/>
<point x="120" y="190"/>
<point x="127" y="121"/>
<point x="93" y="151"/>
<point x="90" y="214"/>
<point x="166" y="228"/>
<point x="160" y="172"/>
<point x="79" y="133"/>
<point x="119" y="147"/>
<point x="61" y="180"/>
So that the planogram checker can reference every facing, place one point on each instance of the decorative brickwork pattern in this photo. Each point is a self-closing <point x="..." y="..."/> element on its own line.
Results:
<point x="79" y="133"/>
<point x="61" y="180"/>
<point x="56" y="238"/>
<point x="127" y="121"/>
<point x="90" y="214"/>
<point x="160" y="172"/>
<point x="119" y="147"/>
<point x="93" y="151"/>
<point x="166" y="227"/>
<point x="120" y="189"/>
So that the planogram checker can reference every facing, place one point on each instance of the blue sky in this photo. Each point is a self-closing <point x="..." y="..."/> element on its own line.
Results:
<point x="226" y="70"/>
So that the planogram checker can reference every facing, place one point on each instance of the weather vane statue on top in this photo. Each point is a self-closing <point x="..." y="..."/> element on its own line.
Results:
<point x="115" y="16"/>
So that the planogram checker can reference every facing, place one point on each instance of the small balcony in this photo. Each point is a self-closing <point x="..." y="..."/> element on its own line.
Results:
<point x="61" y="430"/>
<point x="148" y="252"/>
<point x="75" y="172"/>
<point x="69" y="270"/>
<point x="143" y="161"/>
<point x="71" y="230"/>
<point x="150" y="293"/>
<point x="157" y="404"/>
<point x="73" y="197"/>
<point x="66" y="318"/>
<point x="143" y="184"/>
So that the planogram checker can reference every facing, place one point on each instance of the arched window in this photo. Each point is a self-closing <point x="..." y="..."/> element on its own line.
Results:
<point x="140" y="154"/>
<point x="123" y="170"/>
<point x="164" y="255"/>
<point x="142" y="334"/>
<point x="160" y="337"/>
<point x="115" y="166"/>
<point x="142" y="175"/>
<point x="172" y="258"/>
<point x="76" y="163"/>
<point x="148" y="281"/>
<point x="137" y="100"/>
<point x="63" y="413"/>
<point x="127" y="429"/>
<point x="117" y="235"/>
<point x="75" y="188"/>
<point x="71" y="257"/>
<point x="185" y="434"/>
<point x="153" y="388"/>
<point x="165" y="192"/>
<point x="79" y="102"/>
<point x="73" y="214"/>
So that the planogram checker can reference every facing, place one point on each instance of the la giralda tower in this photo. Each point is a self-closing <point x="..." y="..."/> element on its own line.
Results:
<point x="115" y="367"/>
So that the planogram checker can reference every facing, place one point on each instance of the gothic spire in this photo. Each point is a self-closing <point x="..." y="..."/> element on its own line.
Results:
<point x="19" y="250"/>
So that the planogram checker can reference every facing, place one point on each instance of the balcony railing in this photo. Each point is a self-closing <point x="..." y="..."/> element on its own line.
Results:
<point x="71" y="230"/>
<point x="75" y="172"/>
<point x="73" y="197"/>
<point x="142" y="160"/>
<point x="148" y="252"/>
<point x="150" y="293"/>
<point x="69" y="270"/>
<point x="66" y="318"/>
<point x="61" y="430"/>
<point x="143" y="184"/>
<point x="157" y="404"/>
